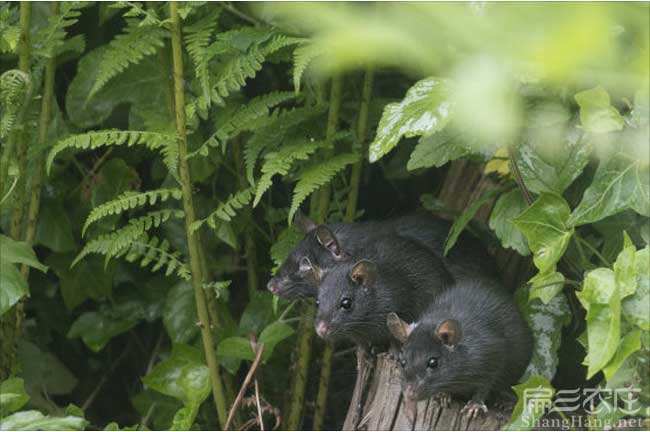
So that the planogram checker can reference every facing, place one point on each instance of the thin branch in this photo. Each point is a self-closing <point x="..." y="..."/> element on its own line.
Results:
<point x="259" y="405"/>
<point x="247" y="381"/>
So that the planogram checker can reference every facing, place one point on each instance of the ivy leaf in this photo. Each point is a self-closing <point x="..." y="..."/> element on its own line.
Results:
<point x="597" y="115"/>
<point x="601" y="298"/>
<point x="630" y="344"/>
<point x="552" y="166"/>
<point x="625" y="272"/>
<point x="34" y="420"/>
<point x="528" y="411"/>
<point x="183" y="376"/>
<point x="425" y="109"/>
<point x="545" y="286"/>
<point x="237" y="347"/>
<point x="184" y="418"/>
<point x="12" y="395"/>
<point x="12" y="286"/>
<point x="18" y="252"/>
<point x="546" y="322"/>
<point x="466" y="216"/>
<point x="89" y="279"/>
<point x="179" y="315"/>
<point x="544" y="225"/>
<point x="437" y="149"/>
<point x="508" y="206"/>
<point x="635" y="307"/>
<point x="619" y="183"/>
<point x="273" y="334"/>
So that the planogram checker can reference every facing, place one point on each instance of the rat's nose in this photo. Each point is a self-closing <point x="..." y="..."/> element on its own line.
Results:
<point x="322" y="329"/>
<point x="273" y="286"/>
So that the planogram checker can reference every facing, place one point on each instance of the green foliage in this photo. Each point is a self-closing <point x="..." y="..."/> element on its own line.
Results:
<point x="508" y="206"/>
<point x="525" y="414"/>
<point x="15" y="90"/>
<point x="12" y="395"/>
<point x="34" y="420"/>
<point x="13" y="285"/>
<point x="227" y="210"/>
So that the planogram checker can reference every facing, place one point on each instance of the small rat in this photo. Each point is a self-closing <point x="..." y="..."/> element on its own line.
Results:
<point x="470" y="342"/>
<point x="394" y="275"/>
<point x="324" y="246"/>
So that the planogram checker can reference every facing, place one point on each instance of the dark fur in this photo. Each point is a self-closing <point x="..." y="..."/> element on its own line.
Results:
<point x="407" y="279"/>
<point x="467" y="259"/>
<point x="492" y="354"/>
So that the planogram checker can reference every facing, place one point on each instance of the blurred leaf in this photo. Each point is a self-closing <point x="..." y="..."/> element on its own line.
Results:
<point x="467" y="215"/>
<point x="258" y="313"/>
<point x="184" y="418"/>
<point x="601" y="298"/>
<point x="544" y="225"/>
<point x="625" y="272"/>
<point x="273" y="334"/>
<point x="113" y="426"/>
<point x="88" y="279"/>
<point x="499" y="164"/>
<point x="114" y="177"/>
<point x="179" y="315"/>
<point x="12" y="395"/>
<point x="629" y="344"/>
<point x="546" y="322"/>
<point x="533" y="397"/>
<point x="183" y="376"/>
<point x="635" y="307"/>
<point x="54" y="228"/>
<point x="34" y="420"/>
<point x="425" y="109"/>
<point x="545" y="286"/>
<point x="12" y="286"/>
<point x="437" y="149"/>
<point x="620" y="183"/>
<point x="597" y="115"/>
<point x="158" y="407"/>
<point x="508" y="206"/>
<point x="13" y="252"/>
<point x="237" y="347"/>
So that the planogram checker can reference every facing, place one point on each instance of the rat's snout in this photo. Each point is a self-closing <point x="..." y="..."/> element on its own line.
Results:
<point x="322" y="328"/>
<point x="273" y="285"/>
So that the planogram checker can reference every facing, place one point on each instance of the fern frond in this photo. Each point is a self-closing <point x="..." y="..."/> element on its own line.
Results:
<point x="15" y="92"/>
<point x="129" y="200"/>
<point x="152" y="140"/>
<point x="50" y="40"/>
<point x="152" y="250"/>
<point x="280" y="41"/>
<point x="302" y="58"/>
<point x="226" y="210"/>
<point x="197" y="39"/>
<point x="280" y="162"/>
<point x="117" y="241"/>
<point x="316" y="175"/>
<point x="146" y="16"/>
<point x="236" y="72"/>
<point x="127" y="49"/>
<point x="273" y="134"/>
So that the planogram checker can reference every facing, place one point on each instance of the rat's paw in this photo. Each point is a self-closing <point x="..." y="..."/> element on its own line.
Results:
<point x="472" y="409"/>
<point x="442" y="399"/>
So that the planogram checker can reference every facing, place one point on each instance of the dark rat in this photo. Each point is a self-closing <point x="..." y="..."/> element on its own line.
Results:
<point x="470" y="342"/>
<point x="325" y="246"/>
<point x="394" y="275"/>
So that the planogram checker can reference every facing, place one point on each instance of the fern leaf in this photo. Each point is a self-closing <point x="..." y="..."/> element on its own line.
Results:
<point x="280" y="41"/>
<point x="316" y="175"/>
<point x="146" y="16"/>
<point x="152" y="140"/>
<point x="280" y="162"/>
<point x="127" y="201"/>
<point x="15" y="92"/>
<point x="117" y="241"/>
<point x="197" y="40"/>
<point x="50" y="40"/>
<point x="152" y="250"/>
<point x="235" y="73"/>
<point x="302" y="58"/>
<point x="226" y="210"/>
<point x="127" y="49"/>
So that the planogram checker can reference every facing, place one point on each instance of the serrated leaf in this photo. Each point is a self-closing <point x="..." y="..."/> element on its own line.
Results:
<point x="619" y="183"/>
<point x="437" y="149"/>
<point x="533" y="397"/>
<point x="597" y="115"/>
<point x="544" y="224"/>
<point x="508" y="206"/>
<point x="425" y="109"/>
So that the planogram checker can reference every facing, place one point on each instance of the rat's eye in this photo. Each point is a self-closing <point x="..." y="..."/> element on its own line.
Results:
<point x="305" y="265"/>
<point x="432" y="363"/>
<point x="346" y="303"/>
<point x="317" y="303"/>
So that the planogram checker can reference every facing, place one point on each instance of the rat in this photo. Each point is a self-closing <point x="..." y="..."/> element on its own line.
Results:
<point x="325" y="246"/>
<point x="470" y="342"/>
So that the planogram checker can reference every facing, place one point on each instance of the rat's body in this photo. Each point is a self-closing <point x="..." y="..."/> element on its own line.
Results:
<point x="470" y="342"/>
<point x="355" y="296"/>
<point x="467" y="259"/>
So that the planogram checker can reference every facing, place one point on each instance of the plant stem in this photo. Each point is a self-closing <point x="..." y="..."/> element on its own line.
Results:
<point x="328" y="351"/>
<point x="188" y="206"/>
<point x="593" y="249"/>
<point x="43" y="128"/>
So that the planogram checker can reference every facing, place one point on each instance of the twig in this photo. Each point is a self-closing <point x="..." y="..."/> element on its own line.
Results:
<point x="247" y="381"/>
<point x="102" y="381"/>
<point x="594" y="250"/>
<point x="259" y="405"/>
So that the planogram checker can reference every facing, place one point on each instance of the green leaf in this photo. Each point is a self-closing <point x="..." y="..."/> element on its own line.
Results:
<point x="18" y="252"/>
<point x="258" y="313"/>
<point x="237" y="347"/>
<point x="545" y="286"/>
<point x="12" y="395"/>
<point x="179" y="315"/>
<point x="630" y="344"/>
<point x="12" y="286"/>
<point x="625" y="268"/>
<point x="437" y="149"/>
<point x="273" y="334"/>
<point x="635" y="306"/>
<point x="286" y="241"/>
<point x="34" y="420"/>
<point x="544" y="225"/>
<point x="551" y="166"/>
<point x="546" y="322"/>
<point x="466" y="216"/>
<point x="114" y="178"/>
<point x="601" y="298"/>
<point x="508" y="206"/>
<point x="533" y="397"/>
<point x="53" y="228"/>
<point x="88" y="279"/>
<point x="597" y="115"/>
<point x="425" y="109"/>
<point x="183" y="376"/>
<point x="184" y="418"/>
<point x="620" y="182"/>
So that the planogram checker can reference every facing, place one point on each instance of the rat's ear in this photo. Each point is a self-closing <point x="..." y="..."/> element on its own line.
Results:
<point x="449" y="332"/>
<point x="328" y="240"/>
<point x="303" y="223"/>
<point x="399" y="328"/>
<point x="364" y="273"/>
